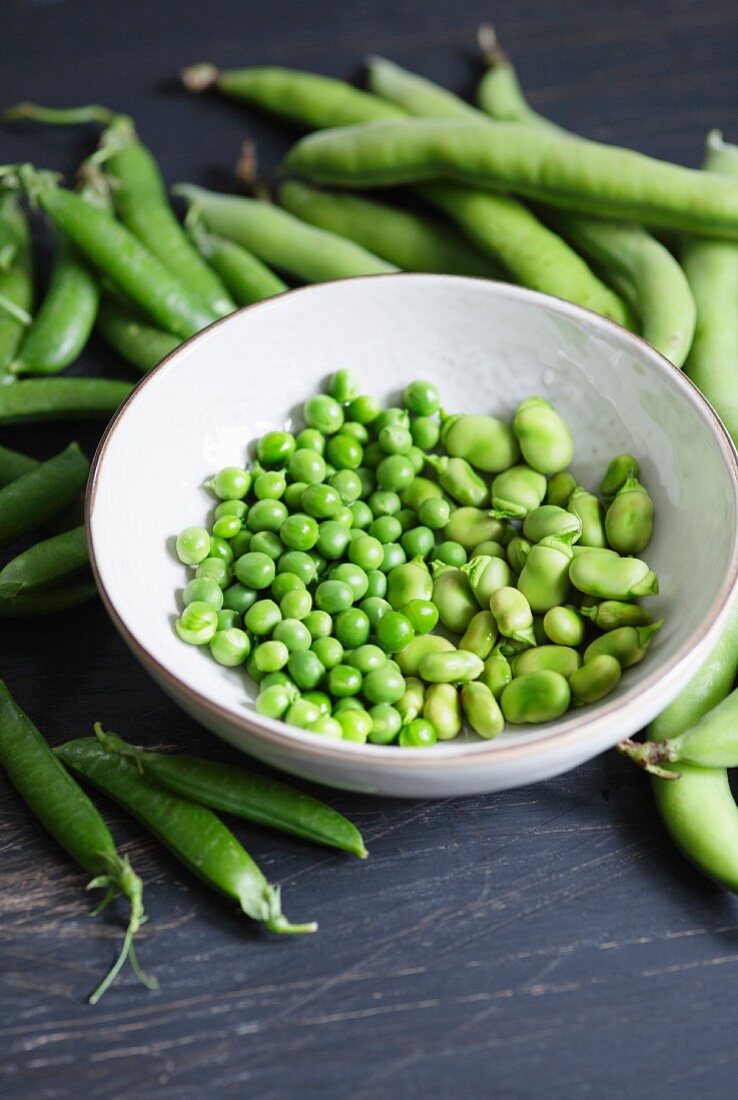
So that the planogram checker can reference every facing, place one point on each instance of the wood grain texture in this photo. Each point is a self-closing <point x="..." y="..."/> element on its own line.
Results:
<point x="547" y="941"/>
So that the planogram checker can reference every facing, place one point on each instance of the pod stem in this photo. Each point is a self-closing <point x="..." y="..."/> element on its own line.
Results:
<point x="247" y="172"/>
<point x="59" y="116"/>
<point x="489" y="45"/>
<point x="111" y="742"/>
<point x="275" y="920"/>
<point x="123" y="880"/>
<point x="649" y="755"/>
<point x="200" y="77"/>
<point x="15" y="311"/>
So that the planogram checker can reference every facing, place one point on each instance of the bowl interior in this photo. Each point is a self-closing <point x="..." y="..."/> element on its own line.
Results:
<point x="487" y="346"/>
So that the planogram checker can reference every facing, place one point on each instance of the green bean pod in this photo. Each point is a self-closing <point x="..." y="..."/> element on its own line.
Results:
<point x="486" y="575"/>
<point x="42" y="492"/>
<point x="65" y="811"/>
<point x="711" y="743"/>
<point x="482" y="710"/>
<point x="497" y="672"/>
<point x="620" y="469"/>
<point x="64" y="321"/>
<point x="545" y="440"/>
<point x="560" y="488"/>
<point x="557" y="658"/>
<point x="588" y="509"/>
<point x="499" y="93"/>
<point x="244" y="794"/>
<point x="192" y="833"/>
<point x="612" y="578"/>
<point x="419" y="647"/>
<point x="550" y="519"/>
<point x="453" y="596"/>
<point x="139" y="343"/>
<point x="629" y="519"/>
<point x="457" y="666"/>
<point x="311" y="100"/>
<point x="470" y="526"/>
<point x="535" y="697"/>
<point x="513" y="615"/>
<point x="544" y="579"/>
<point x="243" y="274"/>
<point x="403" y="237"/>
<point x="414" y="94"/>
<point x="8" y="243"/>
<point x="442" y="708"/>
<point x="479" y="637"/>
<point x="460" y="480"/>
<point x="595" y="679"/>
<point x="611" y="614"/>
<point x="16" y="279"/>
<point x="50" y="562"/>
<point x="628" y="644"/>
<point x="49" y="601"/>
<point x="13" y="465"/>
<point x="281" y="240"/>
<point x="486" y="442"/>
<point x="517" y="491"/>
<point x="36" y="399"/>
<point x="711" y="268"/>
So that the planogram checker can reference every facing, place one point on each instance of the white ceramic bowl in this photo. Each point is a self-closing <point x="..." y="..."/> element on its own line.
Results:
<point x="487" y="346"/>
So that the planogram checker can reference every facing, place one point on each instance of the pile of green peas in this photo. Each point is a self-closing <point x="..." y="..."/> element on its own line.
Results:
<point x="388" y="574"/>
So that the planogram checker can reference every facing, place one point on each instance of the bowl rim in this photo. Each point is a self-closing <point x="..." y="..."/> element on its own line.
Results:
<point x="452" y="754"/>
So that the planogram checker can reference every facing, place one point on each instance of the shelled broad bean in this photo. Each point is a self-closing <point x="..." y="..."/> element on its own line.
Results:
<point x="331" y="561"/>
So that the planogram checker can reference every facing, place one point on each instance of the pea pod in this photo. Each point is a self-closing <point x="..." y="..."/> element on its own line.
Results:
<point x="497" y="672"/>
<point x="454" y="598"/>
<point x="544" y="580"/>
<point x="628" y="644"/>
<point x="545" y="440"/>
<point x="513" y="615"/>
<point x="536" y="697"/>
<point x="595" y="679"/>
<point x="479" y="637"/>
<point x="486" y="442"/>
<point x="517" y="491"/>
<point x="549" y="519"/>
<point x="557" y="658"/>
<point x="246" y="278"/>
<point x="48" y="601"/>
<point x="589" y="511"/>
<point x="50" y="562"/>
<point x="454" y="667"/>
<point x="470" y="526"/>
<point x="419" y="647"/>
<point x="517" y="553"/>
<point x="442" y="708"/>
<point x="564" y="625"/>
<point x="460" y="481"/>
<point x="410" y="581"/>
<point x="482" y="710"/>
<point x="37" y="495"/>
<point x="139" y="343"/>
<point x="192" y="833"/>
<point x="612" y="578"/>
<point x="560" y="488"/>
<point x="611" y="614"/>
<point x="37" y="399"/>
<point x="486" y="575"/>
<point x="16" y="278"/>
<point x="629" y="519"/>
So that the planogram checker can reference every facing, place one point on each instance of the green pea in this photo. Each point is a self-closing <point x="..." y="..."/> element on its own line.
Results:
<point x="386" y="724"/>
<point x="544" y="579"/>
<point x="407" y="519"/>
<point x="425" y="432"/>
<point x="453" y="667"/>
<point x="356" y="725"/>
<point x="255" y="570"/>
<point x="224" y="549"/>
<point x="373" y="455"/>
<point x="420" y="489"/>
<point x="310" y="439"/>
<point x="557" y="658"/>
<point x="270" y="656"/>
<point x="193" y="545"/>
<point x="628" y="644"/>
<point x="197" y="624"/>
<point x="384" y="503"/>
<point x="356" y="430"/>
<point x="333" y="538"/>
<point x="610" y="614"/>
<point x="394" y="439"/>
<point x="319" y="623"/>
<point x="480" y="636"/>
<point x="270" y="485"/>
<point x="354" y="576"/>
<point x="231" y="483"/>
<point x="306" y="465"/>
<point x="203" y="590"/>
<point x="321" y="501"/>
<point x="362" y="514"/>
<point x="395" y="473"/>
<point x="273" y="701"/>
<point x="333" y="596"/>
<point x="612" y="578"/>
<point x="237" y="508"/>
<point x="595" y="679"/>
<point x="323" y="413"/>
<point x="345" y="517"/>
<point x="226" y="527"/>
<point x="394" y="631"/>
<point x="266" y="542"/>
<point x="410" y="658"/>
<point x="422" y="398"/>
<point x="366" y="658"/>
<point x="368" y="479"/>
<point x="344" y="452"/>
<point x="326" y="726"/>
<point x="274" y="448"/>
<point x="329" y="652"/>
<point x="284" y="583"/>
<point x="262" y="617"/>
<point x="385" y="529"/>
<point x="442" y="708"/>
<point x="376" y="583"/>
<point x="544" y="438"/>
<point x="293" y="495"/>
<point x="299" y="532"/>
<point x="375" y="608"/>
<point x="418" y="734"/>
<point x="460" y="480"/>
<point x="366" y="552"/>
<point x="564" y="626"/>
<point x="267" y="515"/>
<point x="629" y="519"/>
<point x="517" y="491"/>
<point x="344" y="680"/>
<point x="481" y="709"/>
<point x="393" y="556"/>
<point x="535" y="697"/>
<point x="299" y="563"/>
<point x="227" y="620"/>
<point x="620" y="469"/>
<point x="321" y="701"/>
<point x="306" y="669"/>
<point x="302" y="714"/>
<point x="391" y="415"/>
<point x="352" y="627"/>
<point x="293" y="634"/>
<point x="384" y="685"/>
<point x="238" y="598"/>
<point x="497" y="672"/>
<point x="413" y="700"/>
<point x="343" y="386"/>
<point x="548" y="519"/>
<point x="217" y="569"/>
<point x="513" y="615"/>
<point x="486" y="442"/>
<point x="364" y="409"/>
<point x="434" y="513"/>
<point x="450" y="553"/>
<point x="283" y="680"/>
<point x="423" y="614"/>
<point x="418" y="542"/>
<point x="409" y="581"/>
<point x="454" y="599"/>
<point x="487" y="575"/>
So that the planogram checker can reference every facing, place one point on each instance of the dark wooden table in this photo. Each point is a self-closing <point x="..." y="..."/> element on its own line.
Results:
<point x="547" y="941"/>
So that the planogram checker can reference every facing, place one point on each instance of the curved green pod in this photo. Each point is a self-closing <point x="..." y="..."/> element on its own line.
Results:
<point x="139" y="343"/>
<point x="16" y="278"/>
<point x="243" y="274"/>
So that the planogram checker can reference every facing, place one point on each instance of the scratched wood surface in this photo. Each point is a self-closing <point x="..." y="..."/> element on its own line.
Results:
<point x="546" y="941"/>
